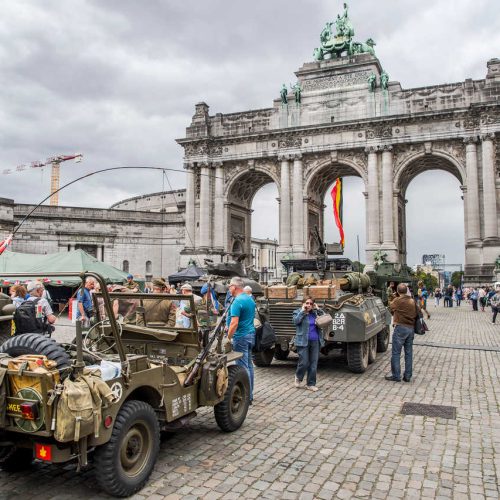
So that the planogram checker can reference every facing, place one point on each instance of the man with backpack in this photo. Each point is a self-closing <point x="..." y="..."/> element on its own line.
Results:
<point x="35" y="314"/>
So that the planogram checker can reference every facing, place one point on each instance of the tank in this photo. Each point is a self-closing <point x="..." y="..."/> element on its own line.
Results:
<point x="387" y="273"/>
<point x="360" y="323"/>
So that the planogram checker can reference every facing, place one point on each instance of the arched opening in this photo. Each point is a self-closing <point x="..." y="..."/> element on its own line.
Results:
<point x="354" y="218"/>
<point x="434" y="218"/>
<point x="149" y="270"/>
<point x="265" y="232"/>
<point x="431" y="214"/>
<point x="320" y="209"/>
<point x="125" y="266"/>
<point x="253" y="220"/>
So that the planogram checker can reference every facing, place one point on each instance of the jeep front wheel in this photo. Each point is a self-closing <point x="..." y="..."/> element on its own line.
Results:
<point x="230" y="413"/>
<point x="125" y="462"/>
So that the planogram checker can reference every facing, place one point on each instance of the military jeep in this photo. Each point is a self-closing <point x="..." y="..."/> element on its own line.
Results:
<point x="155" y="376"/>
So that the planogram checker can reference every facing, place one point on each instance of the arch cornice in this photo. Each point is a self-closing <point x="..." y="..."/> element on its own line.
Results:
<point x="424" y="152"/>
<point x="354" y="161"/>
<point x="236" y="173"/>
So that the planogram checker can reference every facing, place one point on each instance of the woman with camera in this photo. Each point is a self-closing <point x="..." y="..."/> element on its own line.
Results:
<point x="308" y="341"/>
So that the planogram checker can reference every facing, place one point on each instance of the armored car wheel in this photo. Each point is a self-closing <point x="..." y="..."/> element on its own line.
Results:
<point x="372" y="349"/>
<point x="383" y="339"/>
<point x="263" y="358"/>
<point x="281" y="354"/>
<point x="125" y="462"/>
<point x="357" y="356"/>
<point x="230" y="413"/>
<point x="14" y="459"/>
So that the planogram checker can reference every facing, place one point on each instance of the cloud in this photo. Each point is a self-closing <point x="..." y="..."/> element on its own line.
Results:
<point x="118" y="80"/>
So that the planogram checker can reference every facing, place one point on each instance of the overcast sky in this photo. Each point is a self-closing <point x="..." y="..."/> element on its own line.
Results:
<point x="117" y="80"/>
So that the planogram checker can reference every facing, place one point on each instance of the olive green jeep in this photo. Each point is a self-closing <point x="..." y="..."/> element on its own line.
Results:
<point x="108" y="395"/>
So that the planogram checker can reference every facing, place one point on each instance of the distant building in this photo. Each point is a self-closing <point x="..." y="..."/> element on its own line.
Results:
<point x="264" y="258"/>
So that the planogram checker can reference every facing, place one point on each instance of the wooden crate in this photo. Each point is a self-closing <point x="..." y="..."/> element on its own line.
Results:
<point x="320" y="291"/>
<point x="280" y="292"/>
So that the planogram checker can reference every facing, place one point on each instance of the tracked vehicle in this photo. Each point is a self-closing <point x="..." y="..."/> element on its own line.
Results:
<point x="106" y="396"/>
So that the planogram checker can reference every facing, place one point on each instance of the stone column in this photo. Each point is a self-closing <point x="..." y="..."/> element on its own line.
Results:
<point x="372" y="219"/>
<point x="298" y="206"/>
<point x="489" y="188"/>
<point x="388" y="204"/>
<point x="219" y="207"/>
<point x="472" y="191"/>
<point x="99" y="253"/>
<point x="204" y="207"/>
<point x="190" y="224"/>
<point x="285" y="227"/>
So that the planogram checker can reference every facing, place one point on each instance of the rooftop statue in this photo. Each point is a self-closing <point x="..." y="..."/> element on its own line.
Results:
<point x="384" y="80"/>
<point x="372" y="81"/>
<point x="297" y="90"/>
<point x="335" y="44"/>
<point x="284" y="94"/>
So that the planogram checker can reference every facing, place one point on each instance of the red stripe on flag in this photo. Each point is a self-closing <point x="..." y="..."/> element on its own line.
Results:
<point x="336" y="194"/>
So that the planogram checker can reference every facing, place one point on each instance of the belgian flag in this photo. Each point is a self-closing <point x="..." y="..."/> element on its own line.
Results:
<point x="337" y="207"/>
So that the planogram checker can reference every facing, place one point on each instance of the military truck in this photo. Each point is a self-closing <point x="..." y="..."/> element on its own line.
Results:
<point x="109" y="394"/>
<point x="360" y="325"/>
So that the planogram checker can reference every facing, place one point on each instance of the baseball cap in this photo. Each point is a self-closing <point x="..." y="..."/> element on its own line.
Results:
<point x="130" y="276"/>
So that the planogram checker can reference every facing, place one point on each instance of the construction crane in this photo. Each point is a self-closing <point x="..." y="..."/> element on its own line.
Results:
<point x="55" y="162"/>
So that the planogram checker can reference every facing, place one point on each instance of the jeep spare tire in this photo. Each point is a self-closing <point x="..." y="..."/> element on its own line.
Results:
<point x="34" y="343"/>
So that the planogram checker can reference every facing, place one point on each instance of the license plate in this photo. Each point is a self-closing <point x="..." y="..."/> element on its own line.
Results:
<point x="14" y="406"/>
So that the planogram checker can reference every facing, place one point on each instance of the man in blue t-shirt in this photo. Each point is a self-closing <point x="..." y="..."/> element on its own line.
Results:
<point x="241" y="327"/>
<point x="84" y="297"/>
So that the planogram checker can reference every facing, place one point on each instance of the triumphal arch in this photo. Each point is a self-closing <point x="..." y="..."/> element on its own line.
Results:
<point x="344" y="116"/>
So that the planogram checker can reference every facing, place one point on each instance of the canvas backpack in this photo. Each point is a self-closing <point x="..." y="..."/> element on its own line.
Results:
<point x="79" y="408"/>
<point x="25" y="318"/>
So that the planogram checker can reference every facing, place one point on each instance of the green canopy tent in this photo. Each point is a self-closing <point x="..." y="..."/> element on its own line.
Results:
<point x="40" y="265"/>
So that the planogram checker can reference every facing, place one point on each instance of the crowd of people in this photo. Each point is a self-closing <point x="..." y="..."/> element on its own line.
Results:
<point x="405" y="305"/>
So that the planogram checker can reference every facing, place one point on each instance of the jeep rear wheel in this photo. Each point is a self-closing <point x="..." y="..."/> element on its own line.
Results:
<point x="357" y="356"/>
<point x="383" y="339"/>
<point x="230" y="413"/>
<point x="125" y="462"/>
<point x="263" y="358"/>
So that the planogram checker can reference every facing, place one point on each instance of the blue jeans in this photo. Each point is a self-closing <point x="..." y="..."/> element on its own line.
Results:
<point x="402" y="337"/>
<point x="308" y="361"/>
<point x="244" y="345"/>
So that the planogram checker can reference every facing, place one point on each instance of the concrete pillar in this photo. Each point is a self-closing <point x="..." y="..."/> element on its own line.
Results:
<point x="204" y="217"/>
<point x="190" y="211"/>
<point x="489" y="188"/>
<point x="219" y="207"/>
<point x="72" y="247"/>
<point x="285" y="227"/>
<point x="387" y="198"/>
<point x="99" y="253"/>
<point x="372" y="215"/>
<point x="473" y="227"/>
<point x="298" y="206"/>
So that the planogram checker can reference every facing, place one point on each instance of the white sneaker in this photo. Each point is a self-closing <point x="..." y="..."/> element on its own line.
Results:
<point x="312" y="388"/>
<point x="296" y="382"/>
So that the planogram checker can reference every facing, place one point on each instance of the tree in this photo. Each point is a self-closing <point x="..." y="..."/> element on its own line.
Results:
<point x="430" y="281"/>
<point x="456" y="279"/>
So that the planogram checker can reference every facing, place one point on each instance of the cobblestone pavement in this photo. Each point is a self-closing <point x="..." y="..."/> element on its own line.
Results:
<point x="349" y="440"/>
